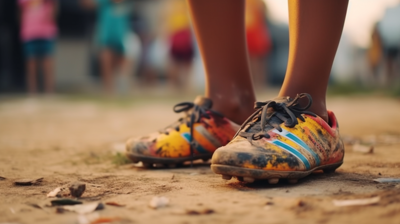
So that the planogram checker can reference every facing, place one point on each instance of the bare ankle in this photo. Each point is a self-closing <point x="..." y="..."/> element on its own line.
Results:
<point x="235" y="109"/>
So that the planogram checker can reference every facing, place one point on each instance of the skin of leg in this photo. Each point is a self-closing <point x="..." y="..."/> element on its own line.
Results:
<point x="184" y="71"/>
<point x="173" y="74"/>
<point x="31" y="74"/>
<point x="124" y="65"/>
<point x="220" y="31"/>
<point x="106" y="66"/>
<point x="315" y="28"/>
<point x="124" y="68"/>
<point x="48" y="71"/>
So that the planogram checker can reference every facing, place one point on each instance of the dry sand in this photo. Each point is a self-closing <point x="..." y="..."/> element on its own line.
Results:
<point x="63" y="140"/>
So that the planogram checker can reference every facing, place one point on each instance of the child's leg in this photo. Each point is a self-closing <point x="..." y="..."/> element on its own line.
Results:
<point x="48" y="73"/>
<point x="124" y="68"/>
<point x="315" y="28"/>
<point x="31" y="74"/>
<point x="219" y="28"/>
<point x="220" y="31"/>
<point x="106" y="67"/>
<point x="283" y="140"/>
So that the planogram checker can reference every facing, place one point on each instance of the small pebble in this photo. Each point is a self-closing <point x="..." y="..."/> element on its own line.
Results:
<point x="77" y="188"/>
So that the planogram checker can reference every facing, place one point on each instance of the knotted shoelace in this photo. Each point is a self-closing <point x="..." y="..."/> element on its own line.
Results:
<point x="194" y="113"/>
<point x="271" y="114"/>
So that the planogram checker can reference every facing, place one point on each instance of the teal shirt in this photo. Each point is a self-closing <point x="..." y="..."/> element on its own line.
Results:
<point x="113" y="20"/>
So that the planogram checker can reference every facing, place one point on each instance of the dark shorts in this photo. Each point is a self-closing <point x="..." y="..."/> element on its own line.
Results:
<point x="39" y="48"/>
<point x="182" y="55"/>
<point x="391" y="52"/>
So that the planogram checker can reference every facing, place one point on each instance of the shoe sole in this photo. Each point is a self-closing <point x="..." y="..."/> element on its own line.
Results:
<point x="149" y="162"/>
<point x="250" y="175"/>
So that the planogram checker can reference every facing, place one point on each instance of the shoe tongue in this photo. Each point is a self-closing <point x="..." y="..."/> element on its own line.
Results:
<point x="203" y="102"/>
<point x="282" y="99"/>
<point x="270" y="110"/>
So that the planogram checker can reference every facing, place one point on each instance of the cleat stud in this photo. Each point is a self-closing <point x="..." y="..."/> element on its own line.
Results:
<point x="147" y="165"/>
<point x="273" y="180"/>
<point x="158" y="165"/>
<point x="170" y="165"/>
<point x="248" y="179"/>
<point x="135" y="160"/>
<point x="179" y="164"/>
<point x="226" y="177"/>
<point x="329" y="170"/>
<point x="292" y="181"/>
<point x="239" y="178"/>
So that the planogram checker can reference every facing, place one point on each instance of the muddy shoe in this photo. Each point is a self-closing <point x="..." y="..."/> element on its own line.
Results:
<point x="194" y="136"/>
<point x="281" y="140"/>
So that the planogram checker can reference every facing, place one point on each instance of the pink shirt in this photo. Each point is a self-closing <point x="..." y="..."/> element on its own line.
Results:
<point x="37" y="20"/>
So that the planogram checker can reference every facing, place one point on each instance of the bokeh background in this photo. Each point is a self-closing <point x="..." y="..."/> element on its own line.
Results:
<point x="367" y="59"/>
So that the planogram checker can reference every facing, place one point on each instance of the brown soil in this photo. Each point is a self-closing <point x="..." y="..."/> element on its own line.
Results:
<point x="64" y="141"/>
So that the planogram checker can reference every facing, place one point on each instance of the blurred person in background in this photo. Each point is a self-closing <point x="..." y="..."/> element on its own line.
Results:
<point x="374" y="53"/>
<point x="389" y="30"/>
<point x="116" y="42"/>
<point x="181" y="45"/>
<point x="258" y="40"/>
<point x="38" y="33"/>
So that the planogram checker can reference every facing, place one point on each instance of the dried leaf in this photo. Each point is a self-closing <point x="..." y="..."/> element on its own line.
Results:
<point x="84" y="208"/>
<point x="65" y="201"/>
<point x="355" y="202"/>
<point x="28" y="182"/>
<point x="105" y="220"/>
<point x="34" y="205"/>
<point x="114" y="204"/>
<point x="54" y="192"/>
<point x="201" y="212"/>
<point x="387" y="180"/>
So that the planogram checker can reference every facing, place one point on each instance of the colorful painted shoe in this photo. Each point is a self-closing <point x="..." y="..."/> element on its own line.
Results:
<point x="195" y="136"/>
<point x="281" y="140"/>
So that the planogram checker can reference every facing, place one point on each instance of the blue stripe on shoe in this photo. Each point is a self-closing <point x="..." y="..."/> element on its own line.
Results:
<point x="300" y="143"/>
<point x="293" y="151"/>
<point x="199" y="148"/>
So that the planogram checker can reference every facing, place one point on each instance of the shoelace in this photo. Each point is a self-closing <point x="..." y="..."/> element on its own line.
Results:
<point x="194" y="114"/>
<point x="271" y="114"/>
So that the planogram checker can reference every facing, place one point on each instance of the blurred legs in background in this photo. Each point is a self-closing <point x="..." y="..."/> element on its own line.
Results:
<point x="116" y="71"/>
<point x="39" y="54"/>
<point x="48" y="72"/>
<point x="106" y="59"/>
<point x="31" y="73"/>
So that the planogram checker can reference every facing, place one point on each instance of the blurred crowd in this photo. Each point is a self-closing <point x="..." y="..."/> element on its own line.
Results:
<point x="118" y="45"/>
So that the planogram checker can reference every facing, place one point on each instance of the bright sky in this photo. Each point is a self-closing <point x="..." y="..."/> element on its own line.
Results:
<point x="361" y="17"/>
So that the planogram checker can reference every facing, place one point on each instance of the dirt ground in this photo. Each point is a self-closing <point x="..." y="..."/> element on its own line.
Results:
<point x="63" y="140"/>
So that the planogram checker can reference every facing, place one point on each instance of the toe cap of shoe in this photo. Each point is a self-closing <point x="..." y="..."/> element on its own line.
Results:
<point x="137" y="146"/>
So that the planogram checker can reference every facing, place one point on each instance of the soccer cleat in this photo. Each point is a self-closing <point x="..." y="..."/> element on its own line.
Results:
<point x="194" y="136"/>
<point x="281" y="140"/>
